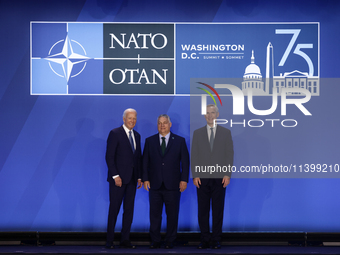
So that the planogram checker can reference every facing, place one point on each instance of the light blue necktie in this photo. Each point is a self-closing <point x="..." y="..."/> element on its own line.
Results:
<point x="212" y="138"/>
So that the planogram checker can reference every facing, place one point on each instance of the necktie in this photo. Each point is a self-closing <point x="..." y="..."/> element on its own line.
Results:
<point x="212" y="138"/>
<point x="163" y="145"/>
<point x="131" y="142"/>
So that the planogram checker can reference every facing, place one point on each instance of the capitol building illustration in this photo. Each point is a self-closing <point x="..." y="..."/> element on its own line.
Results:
<point x="252" y="79"/>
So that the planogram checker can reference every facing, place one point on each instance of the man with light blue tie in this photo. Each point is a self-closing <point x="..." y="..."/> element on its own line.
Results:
<point x="123" y="158"/>
<point x="212" y="145"/>
<point x="165" y="176"/>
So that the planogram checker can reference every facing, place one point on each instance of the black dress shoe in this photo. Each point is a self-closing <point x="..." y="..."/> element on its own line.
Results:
<point x="109" y="245"/>
<point x="155" y="245"/>
<point x="216" y="245"/>
<point x="169" y="245"/>
<point x="203" y="245"/>
<point x="126" y="244"/>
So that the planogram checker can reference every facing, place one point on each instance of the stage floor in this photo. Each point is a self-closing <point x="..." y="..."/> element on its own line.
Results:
<point x="143" y="249"/>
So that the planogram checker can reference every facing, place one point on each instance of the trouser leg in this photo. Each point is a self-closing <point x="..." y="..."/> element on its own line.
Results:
<point x="156" y="208"/>
<point x="116" y="198"/>
<point x="218" y="196"/>
<point x="128" y="206"/>
<point x="203" y="201"/>
<point x="171" y="200"/>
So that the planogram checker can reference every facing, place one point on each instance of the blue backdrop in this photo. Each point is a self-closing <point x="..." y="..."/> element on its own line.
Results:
<point x="52" y="167"/>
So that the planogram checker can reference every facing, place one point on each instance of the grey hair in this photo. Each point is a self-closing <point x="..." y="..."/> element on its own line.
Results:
<point x="165" y="116"/>
<point x="213" y="105"/>
<point x="129" y="110"/>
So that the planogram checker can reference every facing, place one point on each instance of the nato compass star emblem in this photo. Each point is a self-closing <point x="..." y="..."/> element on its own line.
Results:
<point x="67" y="59"/>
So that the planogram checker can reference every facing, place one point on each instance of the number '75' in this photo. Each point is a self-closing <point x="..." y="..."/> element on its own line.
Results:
<point x="295" y="33"/>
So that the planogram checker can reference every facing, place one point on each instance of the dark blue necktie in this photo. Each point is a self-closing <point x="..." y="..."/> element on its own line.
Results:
<point x="131" y="142"/>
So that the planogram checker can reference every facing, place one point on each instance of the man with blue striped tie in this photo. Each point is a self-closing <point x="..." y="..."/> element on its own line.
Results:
<point x="123" y="158"/>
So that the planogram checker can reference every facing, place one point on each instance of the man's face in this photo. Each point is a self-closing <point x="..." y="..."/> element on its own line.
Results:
<point x="211" y="115"/>
<point x="163" y="126"/>
<point x="130" y="120"/>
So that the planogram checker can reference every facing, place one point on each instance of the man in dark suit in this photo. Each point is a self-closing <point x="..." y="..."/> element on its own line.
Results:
<point x="163" y="157"/>
<point x="123" y="158"/>
<point x="212" y="146"/>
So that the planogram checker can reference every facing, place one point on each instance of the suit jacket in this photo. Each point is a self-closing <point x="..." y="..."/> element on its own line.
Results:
<point x="119" y="156"/>
<point x="170" y="169"/>
<point x="222" y="153"/>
